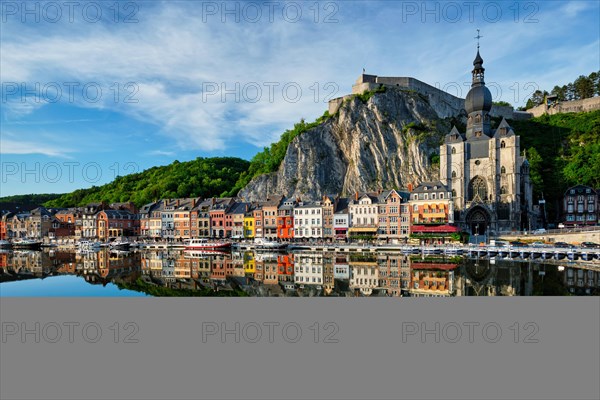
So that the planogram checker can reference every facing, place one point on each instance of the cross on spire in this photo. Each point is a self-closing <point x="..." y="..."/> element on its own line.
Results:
<point x="478" y="37"/>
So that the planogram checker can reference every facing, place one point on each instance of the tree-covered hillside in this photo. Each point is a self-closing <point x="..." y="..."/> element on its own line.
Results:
<point x="202" y="177"/>
<point x="563" y="150"/>
<point x="25" y="202"/>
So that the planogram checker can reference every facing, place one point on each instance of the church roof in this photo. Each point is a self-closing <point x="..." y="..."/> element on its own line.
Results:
<point x="478" y="60"/>
<point x="454" y="136"/>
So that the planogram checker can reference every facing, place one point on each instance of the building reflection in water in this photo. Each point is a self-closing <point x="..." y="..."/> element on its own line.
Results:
<point x="308" y="274"/>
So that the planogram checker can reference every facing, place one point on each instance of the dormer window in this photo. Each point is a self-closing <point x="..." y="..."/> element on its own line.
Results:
<point x="502" y="144"/>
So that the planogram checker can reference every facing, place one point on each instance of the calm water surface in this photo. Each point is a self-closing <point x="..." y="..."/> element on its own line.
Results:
<point x="180" y="273"/>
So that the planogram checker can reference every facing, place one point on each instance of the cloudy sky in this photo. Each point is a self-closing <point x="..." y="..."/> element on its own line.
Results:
<point x="91" y="90"/>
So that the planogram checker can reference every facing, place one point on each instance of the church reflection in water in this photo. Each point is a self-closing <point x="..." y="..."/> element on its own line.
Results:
<point x="307" y="274"/>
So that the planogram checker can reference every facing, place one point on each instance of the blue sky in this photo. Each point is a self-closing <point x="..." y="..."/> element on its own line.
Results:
<point x="95" y="89"/>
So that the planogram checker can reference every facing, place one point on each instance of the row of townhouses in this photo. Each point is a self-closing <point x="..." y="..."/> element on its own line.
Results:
<point x="425" y="212"/>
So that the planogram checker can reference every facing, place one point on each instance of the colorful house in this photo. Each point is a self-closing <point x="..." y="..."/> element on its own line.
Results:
<point x="285" y="220"/>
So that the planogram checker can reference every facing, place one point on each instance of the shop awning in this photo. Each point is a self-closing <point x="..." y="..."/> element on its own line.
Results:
<point x="434" y="229"/>
<point x="369" y="229"/>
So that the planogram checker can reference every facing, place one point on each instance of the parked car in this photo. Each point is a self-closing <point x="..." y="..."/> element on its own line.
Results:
<point x="563" y="245"/>
<point x="539" y="231"/>
<point x="561" y="225"/>
<point x="516" y="243"/>
<point x="539" y="244"/>
<point x="590" y="245"/>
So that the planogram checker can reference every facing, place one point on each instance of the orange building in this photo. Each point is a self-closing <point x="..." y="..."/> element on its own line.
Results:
<point x="432" y="212"/>
<point x="285" y="220"/>
<point x="3" y="234"/>
<point x="115" y="223"/>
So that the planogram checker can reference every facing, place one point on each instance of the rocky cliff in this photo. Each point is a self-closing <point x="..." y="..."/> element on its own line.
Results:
<point x="383" y="141"/>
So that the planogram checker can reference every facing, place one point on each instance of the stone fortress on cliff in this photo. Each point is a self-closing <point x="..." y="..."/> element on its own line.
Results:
<point x="445" y="104"/>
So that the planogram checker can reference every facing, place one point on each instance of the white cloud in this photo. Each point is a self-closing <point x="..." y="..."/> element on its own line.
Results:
<point x="9" y="146"/>
<point x="171" y="53"/>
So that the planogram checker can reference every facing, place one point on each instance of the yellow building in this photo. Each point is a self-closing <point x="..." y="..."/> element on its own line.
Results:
<point x="249" y="228"/>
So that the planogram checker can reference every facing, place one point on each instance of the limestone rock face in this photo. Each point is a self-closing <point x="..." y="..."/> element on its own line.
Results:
<point x="385" y="142"/>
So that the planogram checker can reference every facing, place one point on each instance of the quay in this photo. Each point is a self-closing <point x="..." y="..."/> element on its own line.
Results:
<point x="503" y="252"/>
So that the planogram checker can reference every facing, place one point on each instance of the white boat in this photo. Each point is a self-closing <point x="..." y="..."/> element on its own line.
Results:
<point x="120" y="244"/>
<point x="261" y="243"/>
<point x="27" y="244"/>
<point x="204" y="244"/>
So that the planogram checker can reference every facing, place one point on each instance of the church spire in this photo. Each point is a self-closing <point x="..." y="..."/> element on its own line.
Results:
<point x="478" y="69"/>
<point x="478" y="102"/>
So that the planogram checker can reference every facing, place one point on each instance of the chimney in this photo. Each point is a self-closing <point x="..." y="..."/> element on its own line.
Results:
<point x="410" y="187"/>
<point x="177" y="203"/>
<point x="356" y="196"/>
<point x="213" y="200"/>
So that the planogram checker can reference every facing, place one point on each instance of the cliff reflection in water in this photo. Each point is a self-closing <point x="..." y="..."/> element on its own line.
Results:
<point x="182" y="273"/>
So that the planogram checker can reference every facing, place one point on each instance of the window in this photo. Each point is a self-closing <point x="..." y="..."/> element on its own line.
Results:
<point x="478" y="189"/>
<point x="503" y="190"/>
<point x="453" y="193"/>
<point x="502" y="144"/>
<point x="503" y="170"/>
<point x="454" y="174"/>
<point x="441" y="195"/>
<point x="454" y="150"/>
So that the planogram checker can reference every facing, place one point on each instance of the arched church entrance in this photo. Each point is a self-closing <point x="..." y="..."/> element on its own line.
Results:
<point x="478" y="223"/>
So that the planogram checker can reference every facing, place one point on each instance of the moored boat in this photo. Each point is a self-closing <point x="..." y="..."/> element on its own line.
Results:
<point x="204" y="244"/>
<point x="27" y="244"/>
<point x="264" y="244"/>
<point x="120" y="244"/>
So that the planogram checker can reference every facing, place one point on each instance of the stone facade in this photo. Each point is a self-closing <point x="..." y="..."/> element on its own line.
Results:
<point x="484" y="169"/>
<point x="583" y="105"/>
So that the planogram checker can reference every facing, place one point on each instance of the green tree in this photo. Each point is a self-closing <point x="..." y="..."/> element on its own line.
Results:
<point x="535" y="169"/>
<point x="584" y="87"/>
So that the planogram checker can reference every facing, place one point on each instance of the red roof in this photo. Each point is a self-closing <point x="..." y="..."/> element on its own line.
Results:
<point x="434" y="229"/>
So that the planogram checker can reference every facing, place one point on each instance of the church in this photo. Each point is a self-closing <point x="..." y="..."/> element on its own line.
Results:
<point x="484" y="169"/>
